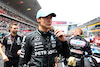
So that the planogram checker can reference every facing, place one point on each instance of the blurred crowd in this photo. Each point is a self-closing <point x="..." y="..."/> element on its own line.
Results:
<point x="9" y="13"/>
<point x="5" y="22"/>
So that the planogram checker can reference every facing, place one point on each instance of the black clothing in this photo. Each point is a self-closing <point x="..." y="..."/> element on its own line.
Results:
<point x="79" y="43"/>
<point x="78" y="47"/>
<point x="12" y="45"/>
<point x="12" y="62"/>
<point x="40" y="48"/>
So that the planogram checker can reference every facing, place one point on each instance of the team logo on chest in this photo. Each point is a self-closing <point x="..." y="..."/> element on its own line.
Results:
<point x="36" y="38"/>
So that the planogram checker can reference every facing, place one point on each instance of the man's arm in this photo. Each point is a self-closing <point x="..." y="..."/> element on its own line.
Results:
<point x="19" y="51"/>
<point x="5" y="58"/>
<point x="25" y="52"/>
<point x="88" y="49"/>
<point x="62" y="45"/>
<point x="63" y="48"/>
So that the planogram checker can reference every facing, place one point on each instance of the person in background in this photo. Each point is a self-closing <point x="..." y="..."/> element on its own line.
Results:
<point x="0" y="36"/>
<point x="40" y="47"/>
<point x="92" y="38"/>
<point x="12" y="43"/>
<point x="78" y="47"/>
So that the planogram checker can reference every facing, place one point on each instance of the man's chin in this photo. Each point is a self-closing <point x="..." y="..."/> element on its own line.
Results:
<point x="49" y="27"/>
<point x="14" y="32"/>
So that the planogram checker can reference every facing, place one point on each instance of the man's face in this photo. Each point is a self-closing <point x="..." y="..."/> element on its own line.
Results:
<point x="14" y="29"/>
<point x="45" y="22"/>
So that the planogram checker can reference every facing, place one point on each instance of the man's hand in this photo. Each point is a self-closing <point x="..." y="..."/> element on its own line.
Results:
<point x="19" y="52"/>
<point x="56" y="63"/>
<point x="60" y="35"/>
<point x="5" y="58"/>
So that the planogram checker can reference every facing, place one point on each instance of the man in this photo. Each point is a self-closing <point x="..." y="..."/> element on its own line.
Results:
<point x="12" y="43"/>
<point x="92" y="38"/>
<point x="78" y="47"/>
<point x="42" y="46"/>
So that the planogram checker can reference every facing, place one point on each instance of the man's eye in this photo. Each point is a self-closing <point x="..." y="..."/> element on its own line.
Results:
<point x="46" y="17"/>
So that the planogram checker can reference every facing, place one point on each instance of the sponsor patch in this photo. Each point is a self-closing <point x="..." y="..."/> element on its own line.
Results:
<point x="76" y="51"/>
<point x="78" y="42"/>
<point x="36" y="38"/>
<point x="45" y="52"/>
<point x="38" y="43"/>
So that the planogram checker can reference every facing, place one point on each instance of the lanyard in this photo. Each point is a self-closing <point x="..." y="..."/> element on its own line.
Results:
<point x="12" y="42"/>
<point x="12" y="38"/>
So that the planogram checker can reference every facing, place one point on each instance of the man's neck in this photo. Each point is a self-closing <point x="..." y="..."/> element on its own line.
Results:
<point x="44" y="30"/>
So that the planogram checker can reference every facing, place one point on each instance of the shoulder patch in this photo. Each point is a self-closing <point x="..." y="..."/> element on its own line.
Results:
<point x="7" y="35"/>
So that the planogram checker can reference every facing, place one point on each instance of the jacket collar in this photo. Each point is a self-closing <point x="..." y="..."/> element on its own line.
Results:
<point x="44" y="33"/>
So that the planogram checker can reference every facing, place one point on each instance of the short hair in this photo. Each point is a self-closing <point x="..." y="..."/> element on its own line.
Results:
<point x="13" y="24"/>
<point x="79" y="30"/>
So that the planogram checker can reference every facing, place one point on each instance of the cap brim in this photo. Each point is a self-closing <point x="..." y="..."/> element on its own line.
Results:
<point x="44" y="13"/>
<point x="53" y="14"/>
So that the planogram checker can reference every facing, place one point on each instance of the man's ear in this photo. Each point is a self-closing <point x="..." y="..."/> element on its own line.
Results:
<point x="38" y="20"/>
<point x="10" y="28"/>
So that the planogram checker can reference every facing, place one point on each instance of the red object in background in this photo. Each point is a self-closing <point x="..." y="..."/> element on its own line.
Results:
<point x="1" y="11"/>
<point x="97" y="41"/>
<point x="92" y="41"/>
<point x="26" y="31"/>
<point x="20" y="2"/>
<point x="18" y="10"/>
<point x="58" y="22"/>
